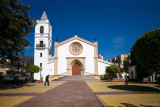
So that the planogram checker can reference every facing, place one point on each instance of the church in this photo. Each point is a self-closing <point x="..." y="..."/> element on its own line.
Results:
<point x="74" y="56"/>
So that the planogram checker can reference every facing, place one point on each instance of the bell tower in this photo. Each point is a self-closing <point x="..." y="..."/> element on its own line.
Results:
<point x="42" y="45"/>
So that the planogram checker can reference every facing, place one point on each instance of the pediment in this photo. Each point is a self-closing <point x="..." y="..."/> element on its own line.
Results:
<point x="75" y="38"/>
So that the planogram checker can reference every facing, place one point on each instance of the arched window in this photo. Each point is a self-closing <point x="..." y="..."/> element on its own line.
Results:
<point x="41" y="29"/>
<point x="76" y="48"/>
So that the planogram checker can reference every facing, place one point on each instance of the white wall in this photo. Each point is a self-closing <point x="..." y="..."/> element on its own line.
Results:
<point x="102" y="66"/>
<point x="48" y="69"/>
<point x="63" y="52"/>
<point x="43" y="60"/>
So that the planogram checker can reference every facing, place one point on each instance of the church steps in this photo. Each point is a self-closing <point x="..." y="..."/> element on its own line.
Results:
<point x="75" y="78"/>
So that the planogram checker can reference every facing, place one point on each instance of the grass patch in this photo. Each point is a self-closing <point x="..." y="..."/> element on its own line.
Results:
<point x="6" y="101"/>
<point x="137" y="100"/>
<point x="120" y="86"/>
<point x="32" y="88"/>
<point x="103" y="86"/>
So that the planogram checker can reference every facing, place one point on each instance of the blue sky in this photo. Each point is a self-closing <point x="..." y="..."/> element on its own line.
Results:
<point x="116" y="24"/>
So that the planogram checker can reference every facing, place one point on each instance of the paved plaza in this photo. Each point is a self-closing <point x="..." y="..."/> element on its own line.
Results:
<point x="94" y="93"/>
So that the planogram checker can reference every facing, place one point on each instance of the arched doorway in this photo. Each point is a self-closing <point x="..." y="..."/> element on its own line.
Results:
<point x="70" y="65"/>
<point x="76" y="69"/>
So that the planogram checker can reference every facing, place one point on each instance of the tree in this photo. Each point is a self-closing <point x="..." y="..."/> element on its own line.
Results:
<point x="23" y="61"/>
<point x="145" y="53"/>
<point x="32" y="69"/>
<point x="142" y="72"/>
<point x="15" y="25"/>
<point x="147" y="50"/>
<point x="19" y="65"/>
<point x="26" y="60"/>
<point x="112" y="69"/>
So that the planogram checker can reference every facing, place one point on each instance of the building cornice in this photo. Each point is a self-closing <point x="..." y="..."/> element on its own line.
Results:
<point x="75" y="38"/>
<point x="75" y="57"/>
<point x="41" y="36"/>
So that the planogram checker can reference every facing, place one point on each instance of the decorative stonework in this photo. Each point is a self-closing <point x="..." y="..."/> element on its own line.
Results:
<point x="75" y="48"/>
<point x="77" y="38"/>
<point x="72" y="60"/>
<point x="95" y="58"/>
<point x="56" y="58"/>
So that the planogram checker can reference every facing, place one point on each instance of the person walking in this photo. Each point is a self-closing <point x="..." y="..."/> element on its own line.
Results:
<point x="47" y="80"/>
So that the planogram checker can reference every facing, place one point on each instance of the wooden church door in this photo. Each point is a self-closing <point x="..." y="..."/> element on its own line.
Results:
<point x="76" y="69"/>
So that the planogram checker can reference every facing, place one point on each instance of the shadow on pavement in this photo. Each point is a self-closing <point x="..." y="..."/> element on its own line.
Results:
<point x="13" y="86"/>
<point x="131" y="105"/>
<point x="133" y="88"/>
<point x="128" y="105"/>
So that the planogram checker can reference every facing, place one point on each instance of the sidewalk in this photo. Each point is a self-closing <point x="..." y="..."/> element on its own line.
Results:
<point x="69" y="94"/>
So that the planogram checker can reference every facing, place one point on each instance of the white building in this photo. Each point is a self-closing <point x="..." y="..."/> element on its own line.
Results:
<point x="74" y="56"/>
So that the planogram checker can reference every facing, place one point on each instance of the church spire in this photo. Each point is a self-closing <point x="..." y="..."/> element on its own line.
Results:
<point x="44" y="16"/>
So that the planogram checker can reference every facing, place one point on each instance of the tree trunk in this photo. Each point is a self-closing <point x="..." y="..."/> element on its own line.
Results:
<point x="18" y="66"/>
<point x="32" y="77"/>
<point x="153" y="77"/>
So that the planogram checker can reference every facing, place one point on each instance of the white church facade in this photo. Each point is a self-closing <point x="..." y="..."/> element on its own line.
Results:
<point x="74" y="56"/>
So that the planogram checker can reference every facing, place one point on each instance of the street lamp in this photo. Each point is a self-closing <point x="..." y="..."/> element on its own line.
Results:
<point x="125" y="67"/>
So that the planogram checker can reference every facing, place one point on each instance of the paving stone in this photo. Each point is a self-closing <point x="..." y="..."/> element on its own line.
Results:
<point x="69" y="94"/>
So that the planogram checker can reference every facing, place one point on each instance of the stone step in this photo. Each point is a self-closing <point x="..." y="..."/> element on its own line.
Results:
<point x="75" y="78"/>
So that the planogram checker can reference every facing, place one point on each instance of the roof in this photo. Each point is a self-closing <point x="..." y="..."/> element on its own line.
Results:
<point x="78" y="38"/>
<point x="99" y="56"/>
<point x="44" y="16"/>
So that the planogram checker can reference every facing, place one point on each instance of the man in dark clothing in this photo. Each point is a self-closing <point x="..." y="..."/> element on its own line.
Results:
<point x="47" y="80"/>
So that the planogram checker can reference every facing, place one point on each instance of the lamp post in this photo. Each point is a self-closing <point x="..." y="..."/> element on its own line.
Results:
<point x="125" y="67"/>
